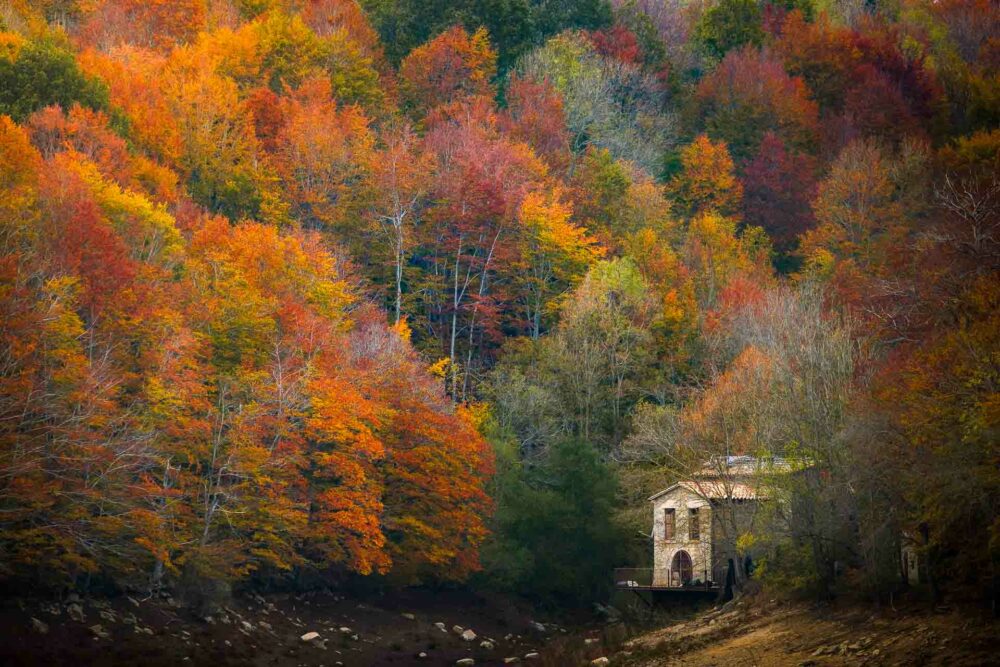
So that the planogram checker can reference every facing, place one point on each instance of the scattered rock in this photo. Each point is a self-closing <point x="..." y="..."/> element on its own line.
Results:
<point x="600" y="662"/>
<point x="590" y="640"/>
<point x="264" y="624"/>
<point x="75" y="612"/>
<point x="457" y="629"/>
<point x="132" y="600"/>
<point x="109" y="616"/>
<point x="538" y="627"/>
<point x="409" y="616"/>
<point x="531" y="656"/>
<point x="487" y="644"/>
<point x="99" y="631"/>
<point x="465" y="662"/>
<point x="469" y="635"/>
<point x="72" y="597"/>
<point x="421" y="655"/>
<point x="511" y="661"/>
<point x="441" y="626"/>
<point x="310" y="636"/>
<point x="39" y="626"/>
<point x="345" y="630"/>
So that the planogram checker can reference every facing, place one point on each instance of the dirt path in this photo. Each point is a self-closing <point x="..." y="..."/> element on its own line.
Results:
<point x="774" y="634"/>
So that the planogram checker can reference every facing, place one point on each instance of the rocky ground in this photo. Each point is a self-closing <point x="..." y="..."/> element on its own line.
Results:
<point x="328" y="629"/>
<point x="759" y="633"/>
<point x="454" y="628"/>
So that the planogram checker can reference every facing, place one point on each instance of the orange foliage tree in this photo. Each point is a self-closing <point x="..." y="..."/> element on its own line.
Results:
<point x="452" y="66"/>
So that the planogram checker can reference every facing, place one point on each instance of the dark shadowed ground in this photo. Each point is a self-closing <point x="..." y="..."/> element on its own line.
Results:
<point x="267" y="631"/>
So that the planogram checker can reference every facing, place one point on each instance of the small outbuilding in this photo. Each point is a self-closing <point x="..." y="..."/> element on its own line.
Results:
<point x="697" y="522"/>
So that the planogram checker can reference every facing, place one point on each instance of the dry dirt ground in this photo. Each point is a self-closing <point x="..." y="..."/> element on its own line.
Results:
<point x="764" y="633"/>
<point x="396" y="628"/>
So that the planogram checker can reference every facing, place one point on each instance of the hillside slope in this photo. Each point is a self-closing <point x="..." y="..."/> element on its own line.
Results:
<point x="771" y="633"/>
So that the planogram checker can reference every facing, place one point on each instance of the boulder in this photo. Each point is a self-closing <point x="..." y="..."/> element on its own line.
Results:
<point x="465" y="662"/>
<point x="346" y="630"/>
<point x="486" y="644"/>
<point x="511" y="661"/>
<point x="457" y="629"/>
<point x="409" y="616"/>
<point x="469" y="635"/>
<point x="536" y="626"/>
<point x="99" y="631"/>
<point x="75" y="612"/>
<point x="531" y="656"/>
<point x="600" y="662"/>
<point x="421" y="655"/>
<point x="310" y="636"/>
<point x="39" y="626"/>
<point x="590" y="640"/>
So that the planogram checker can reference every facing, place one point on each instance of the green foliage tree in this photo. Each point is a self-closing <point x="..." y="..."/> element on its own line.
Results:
<point x="555" y="535"/>
<point x="39" y="73"/>
<point x="730" y="24"/>
<point x="514" y="26"/>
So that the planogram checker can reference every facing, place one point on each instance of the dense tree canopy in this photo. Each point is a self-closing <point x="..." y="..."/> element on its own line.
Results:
<point x="294" y="290"/>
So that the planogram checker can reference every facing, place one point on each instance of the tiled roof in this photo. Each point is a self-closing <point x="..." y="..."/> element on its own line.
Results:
<point x="734" y="477"/>
<point x="743" y="465"/>
<point x="712" y="489"/>
<point x="720" y="490"/>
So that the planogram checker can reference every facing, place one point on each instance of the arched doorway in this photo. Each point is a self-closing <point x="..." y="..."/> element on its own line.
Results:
<point x="681" y="569"/>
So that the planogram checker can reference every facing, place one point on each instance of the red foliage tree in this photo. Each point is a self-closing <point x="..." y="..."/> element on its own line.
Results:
<point x="535" y="115"/>
<point x="778" y="189"/>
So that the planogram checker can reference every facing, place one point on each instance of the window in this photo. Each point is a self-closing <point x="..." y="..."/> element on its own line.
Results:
<point x="669" y="523"/>
<point x="694" y="527"/>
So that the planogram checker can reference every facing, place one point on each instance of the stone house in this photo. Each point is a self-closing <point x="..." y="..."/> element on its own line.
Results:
<point x="697" y="521"/>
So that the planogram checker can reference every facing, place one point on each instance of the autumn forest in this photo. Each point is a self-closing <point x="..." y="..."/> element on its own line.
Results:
<point x="430" y="292"/>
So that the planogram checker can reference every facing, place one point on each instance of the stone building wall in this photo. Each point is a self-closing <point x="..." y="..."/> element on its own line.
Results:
<point x="681" y="500"/>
